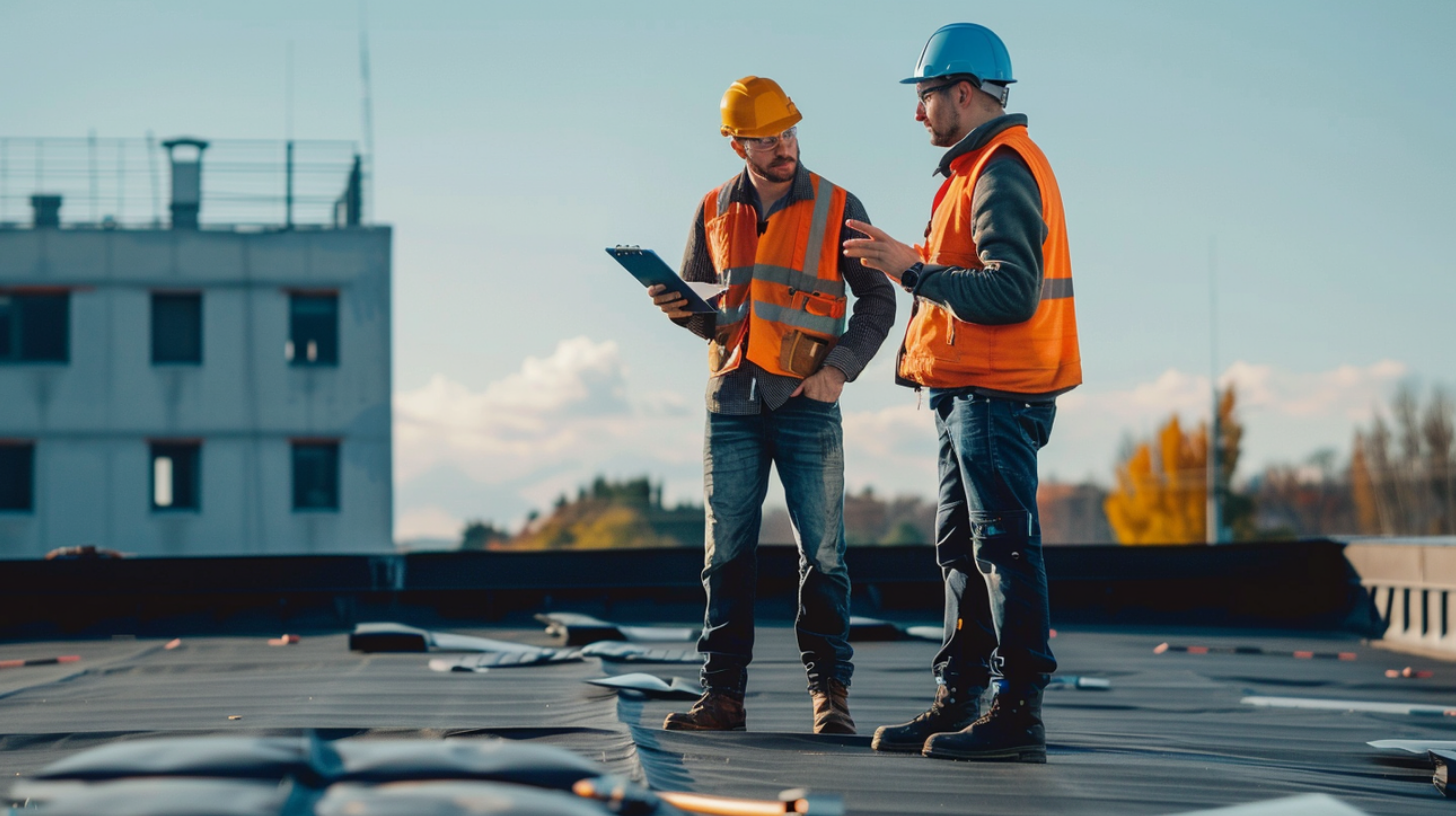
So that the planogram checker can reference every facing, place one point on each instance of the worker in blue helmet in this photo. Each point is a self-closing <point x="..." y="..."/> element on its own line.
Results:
<point x="970" y="50"/>
<point x="993" y="337"/>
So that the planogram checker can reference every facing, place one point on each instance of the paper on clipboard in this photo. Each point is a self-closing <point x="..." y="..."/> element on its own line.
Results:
<point x="650" y="270"/>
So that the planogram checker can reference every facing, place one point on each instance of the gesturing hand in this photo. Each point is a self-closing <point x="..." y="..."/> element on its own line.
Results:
<point x="879" y="250"/>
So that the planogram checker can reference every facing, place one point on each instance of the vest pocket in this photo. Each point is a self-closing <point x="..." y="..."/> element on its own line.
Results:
<point x="801" y="353"/>
<point x="817" y="304"/>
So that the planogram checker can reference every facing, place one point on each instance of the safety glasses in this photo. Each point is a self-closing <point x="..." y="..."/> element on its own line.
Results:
<point x="771" y="142"/>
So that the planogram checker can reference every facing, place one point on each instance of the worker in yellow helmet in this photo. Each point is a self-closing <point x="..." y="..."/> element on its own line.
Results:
<point x="781" y="346"/>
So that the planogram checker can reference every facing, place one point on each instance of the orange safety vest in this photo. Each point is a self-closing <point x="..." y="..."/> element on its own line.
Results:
<point x="1037" y="356"/>
<point x="784" y="305"/>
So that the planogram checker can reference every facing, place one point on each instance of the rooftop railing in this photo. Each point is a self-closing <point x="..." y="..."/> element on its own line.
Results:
<point x="129" y="182"/>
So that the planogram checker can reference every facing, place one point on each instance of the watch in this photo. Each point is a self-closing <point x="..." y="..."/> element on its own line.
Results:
<point x="911" y="276"/>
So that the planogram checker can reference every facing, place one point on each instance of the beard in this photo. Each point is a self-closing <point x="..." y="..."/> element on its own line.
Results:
<point x="944" y="133"/>
<point x="777" y="169"/>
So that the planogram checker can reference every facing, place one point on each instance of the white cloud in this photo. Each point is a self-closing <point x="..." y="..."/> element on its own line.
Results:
<point x="1287" y="415"/>
<point x="546" y="428"/>
<point x="429" y="521"/>
<point x="892" y="449"/>
<point x="552" y="408"/>
<point x="1350" y="392"/>
<point x="560" y="420"/>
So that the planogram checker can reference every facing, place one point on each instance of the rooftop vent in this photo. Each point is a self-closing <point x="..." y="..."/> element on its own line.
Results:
<point x="47" y="208"/>
<point x="186" y="157"/>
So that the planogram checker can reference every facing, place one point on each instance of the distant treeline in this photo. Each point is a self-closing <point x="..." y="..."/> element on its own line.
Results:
<point x="1400" y="479"/>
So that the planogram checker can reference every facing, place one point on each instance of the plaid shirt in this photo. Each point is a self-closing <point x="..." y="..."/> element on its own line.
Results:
<point x="748" y="388"/>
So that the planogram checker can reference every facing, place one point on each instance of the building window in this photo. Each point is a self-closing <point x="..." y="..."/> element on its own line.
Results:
<point x="176" y="475"/>
<point x="17" y="476"/>
<point x="315" y="475"/>
<point x="34" y="328"/>
<point x="313" y="329"/>
<point x="176" y="329"/>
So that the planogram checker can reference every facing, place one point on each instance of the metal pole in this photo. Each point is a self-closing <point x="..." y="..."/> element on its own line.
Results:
<point x="288" y="94"/>
<point x="288" y="192"/>
<point x="91" y="165"/>
<point x="366" y="110"/>
<point x="156" y="193"/>
<point x="1213" y="532"/>
<point x="120" y="180"/>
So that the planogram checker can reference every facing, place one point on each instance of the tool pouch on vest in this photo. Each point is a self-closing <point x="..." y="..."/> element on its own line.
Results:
<point x="803" y="353"/>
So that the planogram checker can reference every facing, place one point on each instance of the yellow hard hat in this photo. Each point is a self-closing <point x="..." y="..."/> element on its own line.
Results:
<point x="755" y="107"/>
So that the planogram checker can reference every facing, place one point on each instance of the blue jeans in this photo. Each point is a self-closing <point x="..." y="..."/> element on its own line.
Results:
<point x="988" y="541"/>
<point x="803" y="440"/>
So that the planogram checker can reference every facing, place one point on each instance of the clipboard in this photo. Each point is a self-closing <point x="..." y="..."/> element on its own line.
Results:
<point x="650" y="270"/>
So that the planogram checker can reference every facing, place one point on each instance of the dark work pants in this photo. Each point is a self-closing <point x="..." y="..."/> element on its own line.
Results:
<point x="804" y="441"/>
<point x="988" y="541"/>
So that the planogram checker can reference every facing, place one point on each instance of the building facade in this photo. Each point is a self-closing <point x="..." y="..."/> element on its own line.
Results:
<point x="195" y="390"/>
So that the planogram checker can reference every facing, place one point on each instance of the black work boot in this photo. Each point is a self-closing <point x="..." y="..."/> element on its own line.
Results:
<point x="714" y="711"/>
<point x="831" y="709"/>
<point x="952" y="710"/>
<point x="1011" y="731"/>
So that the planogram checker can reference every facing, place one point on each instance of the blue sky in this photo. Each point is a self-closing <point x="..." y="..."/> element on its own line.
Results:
<point x="1307" y="143"/>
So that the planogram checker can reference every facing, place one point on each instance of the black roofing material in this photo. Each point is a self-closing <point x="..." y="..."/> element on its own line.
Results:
<point x="1232" y="585"/>
<point x="317" y="765"/>
<point x="323" y="762"/>
<point x="1171" y="735"/>
<point x="652" y="686"/>
<point x="1298" y="654"/>
<point x="502" y="660"/>
<point x="184" y="797"/>
<point x="397" y="637"/>
<point x="615" y="651"/>
<point x="458" y="799"/>
<point x="576" y="629"/>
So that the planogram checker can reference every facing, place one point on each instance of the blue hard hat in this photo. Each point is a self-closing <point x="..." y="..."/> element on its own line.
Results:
<point x="964" y="48"/>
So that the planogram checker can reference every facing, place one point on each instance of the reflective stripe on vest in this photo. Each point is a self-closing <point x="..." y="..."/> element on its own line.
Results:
<point x="783" y="285"/>
<point x="1037" y="356"/>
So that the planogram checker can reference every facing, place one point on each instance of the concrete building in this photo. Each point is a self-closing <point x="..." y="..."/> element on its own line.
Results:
<point x="196" y="388"/>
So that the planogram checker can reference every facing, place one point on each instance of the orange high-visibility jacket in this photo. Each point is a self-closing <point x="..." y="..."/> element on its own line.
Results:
<point x="784" y="305"/>
<point x="1037" y="356"/>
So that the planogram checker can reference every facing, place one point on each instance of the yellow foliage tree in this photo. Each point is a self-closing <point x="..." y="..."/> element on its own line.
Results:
<point x="1162" y="487"/>
<point x="1363" y="492"/>
<point x="1161" y="495"/>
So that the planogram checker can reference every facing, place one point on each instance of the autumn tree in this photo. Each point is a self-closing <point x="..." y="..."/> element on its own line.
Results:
<point x="1162" y="484"/>
<point x="607" y="514"/>
<point x="482" y="535"/>
<point x="1403" y="479"/>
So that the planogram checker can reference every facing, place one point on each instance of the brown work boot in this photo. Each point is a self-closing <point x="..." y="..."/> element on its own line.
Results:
<point x="714" y="711"/>
<point x="831" y="709"/>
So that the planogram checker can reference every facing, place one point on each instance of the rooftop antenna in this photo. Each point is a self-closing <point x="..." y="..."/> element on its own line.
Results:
<point x="120" y="179"/>
<point x="288" y="92"/>
<point x="366" y="109"/>
<point x="288" y="136"/>
<point x="156" y="192"/>
<point x="91" y="172"/>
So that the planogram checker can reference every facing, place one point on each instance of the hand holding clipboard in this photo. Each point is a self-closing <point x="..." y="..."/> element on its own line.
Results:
<point x="650" y="271"/>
